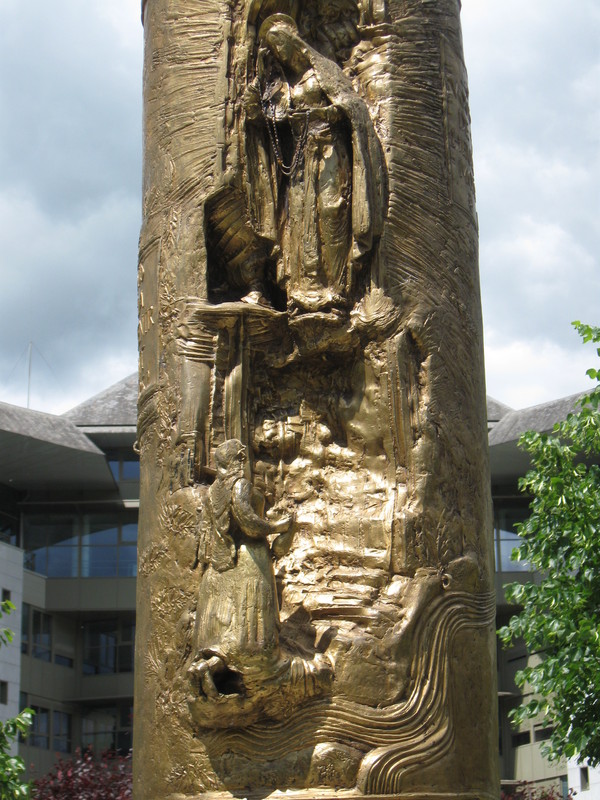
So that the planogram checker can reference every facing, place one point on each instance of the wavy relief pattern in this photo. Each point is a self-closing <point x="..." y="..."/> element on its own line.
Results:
<point x="405" y="736"/>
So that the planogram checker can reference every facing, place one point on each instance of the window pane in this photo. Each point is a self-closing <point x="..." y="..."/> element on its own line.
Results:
<point x="41" y="530"/>
<point x="61" y="733"/>
<point x="507" y="538"/>
<point x="101" y="533"/>
<point x="8" y="529"/>
<point x="124" y="742"/>
<point x="126" y="658"/>
<point x="128" y="629"/>
<point x="62" y="562"/>
<point x="40" y="728"/>
<point x="129" y="532"/>
<point x="126" y="716"/>
<point x="507" y="564"/>
<point x="99" y="729"/>
<point x="98" y="562"/>
<point x="25" y="628"/>
<point x="100" y="648"/>
<point x="130" y="470"/>
<point x="127" y="561"/>
<point x="35" y="560"/>
<point x="41" y="636"/>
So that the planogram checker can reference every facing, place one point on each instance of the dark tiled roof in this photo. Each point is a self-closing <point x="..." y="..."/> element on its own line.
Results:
<point x="44" y="452"/>
<point x="44" y="427"/>
<point x="496" y="410"/>
<point x="541" y="418"/>
<point x="115" y="406"/>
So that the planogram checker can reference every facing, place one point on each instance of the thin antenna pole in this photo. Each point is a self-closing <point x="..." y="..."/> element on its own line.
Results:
<point x="29" y="373"/>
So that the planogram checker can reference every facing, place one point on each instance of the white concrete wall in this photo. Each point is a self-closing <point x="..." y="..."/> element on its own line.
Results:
<point x="593" y="793"/>
<point x="11" y="578"/>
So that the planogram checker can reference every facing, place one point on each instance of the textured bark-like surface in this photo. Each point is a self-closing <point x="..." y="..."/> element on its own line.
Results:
<point x="315" y="604"/>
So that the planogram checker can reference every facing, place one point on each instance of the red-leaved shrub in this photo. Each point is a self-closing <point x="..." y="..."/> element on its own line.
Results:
<point x="87" y="778"/>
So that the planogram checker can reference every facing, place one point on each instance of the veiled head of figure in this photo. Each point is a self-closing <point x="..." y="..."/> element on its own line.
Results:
<point x="230" y="456"/>
<point x="279" y="33"/>
<point x="259" y="10"/>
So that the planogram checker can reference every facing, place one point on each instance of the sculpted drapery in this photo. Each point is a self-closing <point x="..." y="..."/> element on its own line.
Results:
<point x="323" y="210"/>
<point x="315" y="590"/>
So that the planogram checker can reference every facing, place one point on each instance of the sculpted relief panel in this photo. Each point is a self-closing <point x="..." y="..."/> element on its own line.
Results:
<point x="315" y="612"/>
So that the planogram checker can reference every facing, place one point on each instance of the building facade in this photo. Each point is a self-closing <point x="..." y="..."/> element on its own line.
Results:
<point x="69" y="489"/>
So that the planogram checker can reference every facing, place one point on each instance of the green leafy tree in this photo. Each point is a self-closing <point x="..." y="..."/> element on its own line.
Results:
<point x="560" y="617"/>
<point x="12" y="767"/>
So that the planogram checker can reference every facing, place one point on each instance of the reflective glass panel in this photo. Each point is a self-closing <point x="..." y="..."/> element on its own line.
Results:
<point x="39" y="735"/>
<point x="100" y="647"/>
<point x="98" y="562"/>
<point x="130" y="470"/>
<point x="507" y="538"/>
<point x="36" y="560"/>
<point x="129" y="532"/>
<point x="126" y="658"/>
<point x="127" y="561"/>
<point x="101" y="532"/>
<point x="62" y="562"/>
<point x="41" y="635"/>
<point x="61" y="732"/>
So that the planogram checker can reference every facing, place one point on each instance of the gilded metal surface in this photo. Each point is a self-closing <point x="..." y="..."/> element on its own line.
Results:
<point x="315" y="606"/>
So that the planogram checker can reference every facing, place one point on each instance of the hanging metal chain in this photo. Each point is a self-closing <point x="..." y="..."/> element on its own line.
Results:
<point x="289" y="170"/>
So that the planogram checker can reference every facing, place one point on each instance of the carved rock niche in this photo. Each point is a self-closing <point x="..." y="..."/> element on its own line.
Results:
<point x="315" y="598"/>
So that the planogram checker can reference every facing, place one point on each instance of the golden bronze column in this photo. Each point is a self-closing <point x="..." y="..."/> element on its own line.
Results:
<point x="315" y="583"/>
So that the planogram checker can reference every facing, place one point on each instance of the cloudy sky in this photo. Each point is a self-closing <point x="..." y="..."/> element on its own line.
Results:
<point x="70" y="166"/>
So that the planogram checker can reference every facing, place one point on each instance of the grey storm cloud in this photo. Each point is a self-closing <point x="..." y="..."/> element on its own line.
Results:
<point x="70" y="191"/>
<point x="70" y="185"/>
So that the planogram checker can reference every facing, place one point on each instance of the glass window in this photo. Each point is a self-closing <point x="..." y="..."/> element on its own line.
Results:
<point x="8" y="529"/>
<point x="61" y="562"/>
<point x="130" y="469"/>
<point x="126" y="657"/>
<point x="39" y="733"/>
<point x="507" y="538"/>
<point x="129" y="532"/>
<point x="106" y="547"/>
<point x="101" y="531"/>
<point x="124" y="465"/>
<point x="542" y="734"/>
<point x="99" y="729"/>
<point x="108" y="728"/>
<point x="41" y="635"/>
<point x="3" y="692"/>
<point x="584" y="779"/>
<point x="36" y="560"/>
<point x="100" y="647"/>
<point x="108" y="646"/>
<point x="51" y="545"/>
<point x="99" y="562"/>
<point x="25" y="614"/>
<point x="61" y="732"/>
<point x="520" y="738"/>
<point x="127" y="561"/>
<point x="63" y="661"/>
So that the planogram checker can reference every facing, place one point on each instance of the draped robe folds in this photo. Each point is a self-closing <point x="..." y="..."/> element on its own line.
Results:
<point x="264" y="187"/>
<point x="238" y="615"/>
